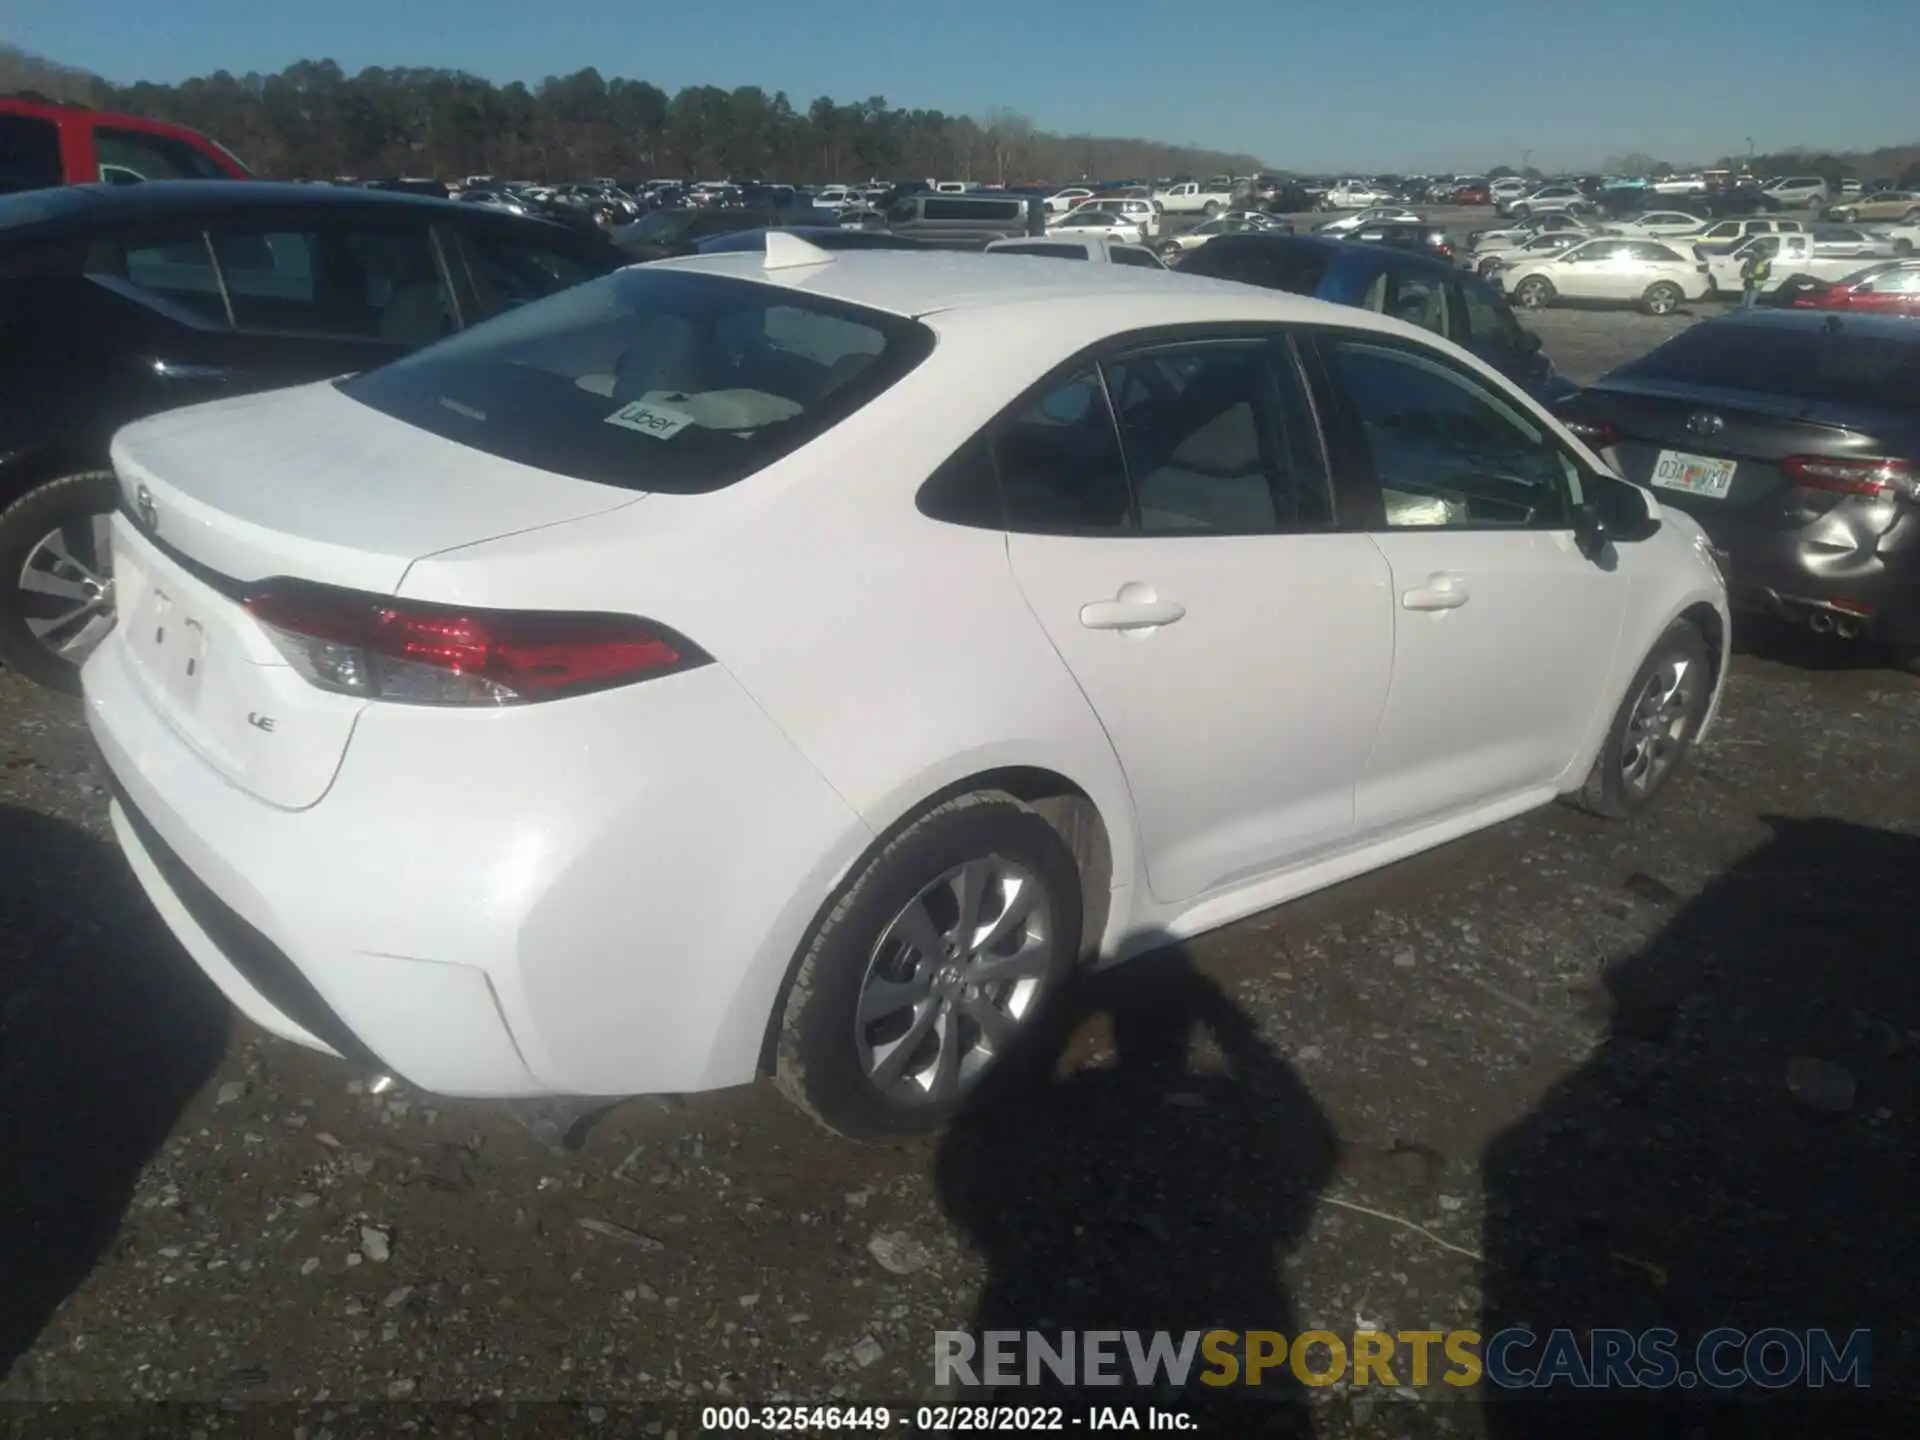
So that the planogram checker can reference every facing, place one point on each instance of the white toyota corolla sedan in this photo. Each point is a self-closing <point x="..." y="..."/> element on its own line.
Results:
<point x="797" y="663"/>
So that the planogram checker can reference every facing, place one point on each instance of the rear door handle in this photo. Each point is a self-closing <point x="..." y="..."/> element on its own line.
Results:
<point x="1441" y="592"/>
<point x="1136" y="607"/>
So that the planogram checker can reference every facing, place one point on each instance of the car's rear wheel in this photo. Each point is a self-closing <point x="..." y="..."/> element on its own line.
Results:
<point x="1212" y="209"/>
<point x="1654" y="727"/>
<point x="1521" y="212"/>
<point x="1536" y="292"/>
<point x="56" y="577"/>
<point x="1662" y="298"/>
<point x="932" y="970"/>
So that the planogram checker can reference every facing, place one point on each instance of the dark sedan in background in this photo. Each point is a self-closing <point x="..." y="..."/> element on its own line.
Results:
<point x="1403" y="283"/>
<point x="119" y="301"/>
<point x="1793" y="437"/>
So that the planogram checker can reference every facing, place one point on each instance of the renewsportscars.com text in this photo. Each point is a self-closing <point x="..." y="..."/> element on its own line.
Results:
<point x="1724" y="1359"/>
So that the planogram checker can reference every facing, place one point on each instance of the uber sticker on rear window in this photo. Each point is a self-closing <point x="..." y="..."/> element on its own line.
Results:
<point x="650" y="419"/>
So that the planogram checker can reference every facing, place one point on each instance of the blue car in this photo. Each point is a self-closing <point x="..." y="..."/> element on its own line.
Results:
<point x="1409" y="286"/>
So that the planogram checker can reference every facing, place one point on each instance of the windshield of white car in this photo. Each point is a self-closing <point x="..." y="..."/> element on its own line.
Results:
<point x="651" y="379"/>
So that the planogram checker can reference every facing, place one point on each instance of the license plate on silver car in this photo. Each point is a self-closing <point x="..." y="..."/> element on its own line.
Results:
<point x="1695" y="474"/>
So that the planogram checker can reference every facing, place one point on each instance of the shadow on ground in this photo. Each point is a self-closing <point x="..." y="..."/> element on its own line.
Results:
<point x="106" y="1031"/>
<point x="1741" y="1151"/>
<point x="1156" y="1191"/>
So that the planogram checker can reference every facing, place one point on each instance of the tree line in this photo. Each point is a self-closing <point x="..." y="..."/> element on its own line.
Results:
<point x="1898" y="163"/>
<point x="312" y="120"/>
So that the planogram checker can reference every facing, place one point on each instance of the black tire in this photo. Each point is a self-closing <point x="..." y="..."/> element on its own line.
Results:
<point x="1521" y="212"/>
<point x="67" y="504"/>
<point x="818" y="1061"/>
<point x="1662" y="298"/>
<point x="1908" y="659"/>
<point x="1536" y="292"/>
<point x="1607" y="790"/>
<point x="1903" y="247"/>
<point x="1210" y="209"/>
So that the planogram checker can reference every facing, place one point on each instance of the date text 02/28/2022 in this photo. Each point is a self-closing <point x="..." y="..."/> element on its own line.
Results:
<point x="939" y="1419"/>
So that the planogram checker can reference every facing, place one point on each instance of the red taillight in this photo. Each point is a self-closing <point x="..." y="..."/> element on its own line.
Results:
<point x="1597" y="433"/>
<point x="1848" y="476"/>
<point x="421" y="654"/>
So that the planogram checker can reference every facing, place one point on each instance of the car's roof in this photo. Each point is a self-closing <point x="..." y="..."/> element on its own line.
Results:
<point x="156" y="197"/>
<point x="902" y="283"/>
<point x="1351" y="252"/>
<point x="62" y="110"/>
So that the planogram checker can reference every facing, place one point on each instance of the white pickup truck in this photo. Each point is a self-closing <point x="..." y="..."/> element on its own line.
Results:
<point x="1190" y="197"/>
<point x="1791" y="255"/>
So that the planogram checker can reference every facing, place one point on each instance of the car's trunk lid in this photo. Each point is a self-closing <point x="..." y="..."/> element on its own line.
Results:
<point x="304" y="483"/>
<point x="1656" y="419"/>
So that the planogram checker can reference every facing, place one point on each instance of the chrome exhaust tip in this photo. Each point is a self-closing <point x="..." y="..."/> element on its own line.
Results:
<point x="1847" y="629"/>
<point x="1820" y="622"/>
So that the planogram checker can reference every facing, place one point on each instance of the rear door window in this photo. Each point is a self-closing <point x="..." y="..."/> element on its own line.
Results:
<point x="1488" y="320"/>
<point x="173" y="274"/>
<point x="653" y="380"/>
<point x="1418" y="299"/>
<point x="1059" y="463"/>
<point x="1219" y="438"/>
<point x="337" y="281"/>
<point x="509" y="270"/>
<point x="29" y="153"/>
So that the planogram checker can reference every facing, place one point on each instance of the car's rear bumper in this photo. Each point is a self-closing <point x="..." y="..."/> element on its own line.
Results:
<point x="600" y="902"/>
<point x="1874" y="594"/>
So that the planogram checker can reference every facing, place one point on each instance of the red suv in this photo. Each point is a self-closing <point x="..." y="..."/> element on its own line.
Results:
<point x="43" y="143"/>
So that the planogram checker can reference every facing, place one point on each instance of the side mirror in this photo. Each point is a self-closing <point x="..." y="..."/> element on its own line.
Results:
<point x="1614" y="512"/>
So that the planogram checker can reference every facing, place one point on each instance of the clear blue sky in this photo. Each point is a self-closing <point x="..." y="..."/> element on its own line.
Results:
<point x="1384" y="85"/>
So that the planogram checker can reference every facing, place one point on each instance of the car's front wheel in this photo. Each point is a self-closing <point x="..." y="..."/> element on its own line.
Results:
<point x="1654" y="727"/>
<point x="1534" y="293"/>
<point x="932" y="970"/>
<point x="56" y="577"/>
<point x="1662" y="298"/>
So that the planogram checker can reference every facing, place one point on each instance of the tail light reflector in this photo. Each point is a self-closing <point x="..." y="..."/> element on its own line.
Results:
<point x="1850" y="476"/>
<point x="414" y="653"/>
<point x="1597" y="433"/>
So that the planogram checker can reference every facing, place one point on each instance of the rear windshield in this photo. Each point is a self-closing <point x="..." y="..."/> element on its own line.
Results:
<point x="1841" y="367"/>
<point x="651" y="379"/>
<point x="1268" y="261"/>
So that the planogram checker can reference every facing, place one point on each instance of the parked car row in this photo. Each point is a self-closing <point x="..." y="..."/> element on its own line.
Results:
<point x="1098" y="494"/>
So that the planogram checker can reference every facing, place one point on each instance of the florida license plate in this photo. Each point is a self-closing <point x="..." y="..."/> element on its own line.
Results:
<point x="1695" y="474"/>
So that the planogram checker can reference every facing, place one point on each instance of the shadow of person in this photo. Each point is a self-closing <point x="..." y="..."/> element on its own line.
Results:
<point x="1158" y="1191"/>
<point x="1743" y="1150"/>
<point x="106" y="1031"/>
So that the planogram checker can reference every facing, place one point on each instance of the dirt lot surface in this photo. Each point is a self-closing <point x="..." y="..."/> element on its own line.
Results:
<point x="1565" y="1072"/>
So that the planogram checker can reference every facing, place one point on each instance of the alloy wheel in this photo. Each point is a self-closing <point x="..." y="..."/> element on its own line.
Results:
<point x="1656" y="733"/>
<point x="952" y="980"/>
<point x="66" y="588"/>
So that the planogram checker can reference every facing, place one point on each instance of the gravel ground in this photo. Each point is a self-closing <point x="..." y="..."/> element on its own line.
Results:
<point x="1562" y="1072"/>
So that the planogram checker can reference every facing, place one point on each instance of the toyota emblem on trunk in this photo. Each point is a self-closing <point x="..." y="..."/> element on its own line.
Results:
<point x="143" y="509"/>
<point x="1705" y="423"/>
